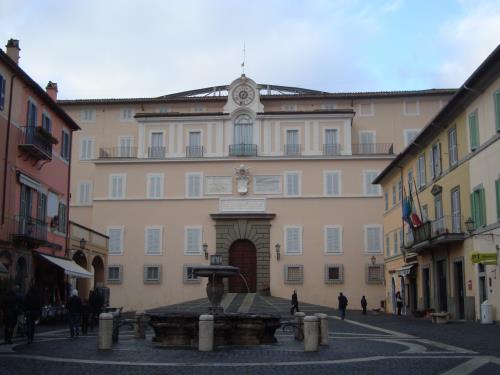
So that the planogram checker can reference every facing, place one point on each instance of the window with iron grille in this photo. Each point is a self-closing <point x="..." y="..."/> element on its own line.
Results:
<point x="152" y="273"/>
<point x="188" y="276"/>
<point x="374" y="273"/>
<point x="334" y="273"/>
<point x="294" y="274"/>
<point x="115" y="274"/>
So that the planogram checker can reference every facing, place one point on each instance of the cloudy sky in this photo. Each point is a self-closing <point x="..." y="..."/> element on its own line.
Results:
<point x="111" y="48"/>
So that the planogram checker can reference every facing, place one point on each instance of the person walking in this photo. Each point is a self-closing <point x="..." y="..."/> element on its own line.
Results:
<point x="9" y="309"/>
<point x="33" y="311"/>
<point x="399" y="302"/>
<point x="363" y="304"/>
<point x="74" y="306"/>
<point x="295" y="303"/>
<point x="342" y="305"/>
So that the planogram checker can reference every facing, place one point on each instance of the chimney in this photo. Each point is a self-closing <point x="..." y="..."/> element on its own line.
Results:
<point x="13" y="50"/>
<point x="52" y="90"/>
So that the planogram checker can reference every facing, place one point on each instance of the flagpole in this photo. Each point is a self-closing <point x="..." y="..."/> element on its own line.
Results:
<point x="418" y="201"/>
<point x="402" y="205"/>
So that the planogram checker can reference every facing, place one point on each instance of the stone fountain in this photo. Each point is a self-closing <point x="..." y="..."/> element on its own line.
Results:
<point x="181" y="329"/>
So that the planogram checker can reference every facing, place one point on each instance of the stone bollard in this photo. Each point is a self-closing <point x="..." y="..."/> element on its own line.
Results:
<point x="299" y="320"/>
<point x="139" y="329"/>
<point x="105" y="331"/>
<point x="311" y="333"/>
<point x="323" y="328"/>
<point x="206" y="333"/>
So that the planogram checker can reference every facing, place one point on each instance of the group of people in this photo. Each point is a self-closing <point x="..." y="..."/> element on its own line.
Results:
<point x="83" y="314"/>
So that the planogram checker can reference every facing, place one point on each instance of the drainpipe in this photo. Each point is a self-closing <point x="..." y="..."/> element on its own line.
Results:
<point x="68" y="192"/>
<point x="5" y="165"/>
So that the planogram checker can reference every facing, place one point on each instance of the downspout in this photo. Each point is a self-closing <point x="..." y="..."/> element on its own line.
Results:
<point x="5" y="165"/>
<point x="68" y="193"/>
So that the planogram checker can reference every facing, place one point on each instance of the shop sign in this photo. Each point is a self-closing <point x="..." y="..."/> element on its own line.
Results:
<point x="484" y="258"/>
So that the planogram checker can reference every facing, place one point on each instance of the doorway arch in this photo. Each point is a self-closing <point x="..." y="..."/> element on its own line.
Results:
<point x="82" y="285"/>
<point x="243" y="254"/>
<point x="98" y="265"/>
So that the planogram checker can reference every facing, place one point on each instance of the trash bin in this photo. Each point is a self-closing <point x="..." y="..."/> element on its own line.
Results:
<point x="486" y="313"/>
<point x="116" y="313"/>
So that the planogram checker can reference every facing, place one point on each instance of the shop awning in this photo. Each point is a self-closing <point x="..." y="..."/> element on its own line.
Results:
<point x="3" y="269"/>
<point x="405" y="271"/>
<point x="70" y="267"/>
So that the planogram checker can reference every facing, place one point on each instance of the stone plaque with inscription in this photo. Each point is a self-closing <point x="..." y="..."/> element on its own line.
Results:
<point x="242" y="205"/>
<point x="267" y="184"/>
<point x="218" y="185"/>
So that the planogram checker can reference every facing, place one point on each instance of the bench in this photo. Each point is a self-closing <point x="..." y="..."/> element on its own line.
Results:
<point x="440" y="318"/>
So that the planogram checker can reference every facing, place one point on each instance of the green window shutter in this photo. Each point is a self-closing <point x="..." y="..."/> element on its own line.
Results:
<point x="482" y="207"/>
<point x="473" y="130"/>
<point x="473" y="209"/>
<point x="497" y="111"/>
<point x="497" y="189"/>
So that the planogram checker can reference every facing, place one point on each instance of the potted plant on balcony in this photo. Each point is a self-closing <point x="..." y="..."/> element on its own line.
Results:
<point x="46" y="136"/>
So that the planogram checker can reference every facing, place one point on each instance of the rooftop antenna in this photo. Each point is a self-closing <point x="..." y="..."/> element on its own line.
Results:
<point x="243" y="63"/>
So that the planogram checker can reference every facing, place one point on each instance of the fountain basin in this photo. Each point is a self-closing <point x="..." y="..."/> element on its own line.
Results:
<point x="220" y="271"/>
<point x="181" y="329"/>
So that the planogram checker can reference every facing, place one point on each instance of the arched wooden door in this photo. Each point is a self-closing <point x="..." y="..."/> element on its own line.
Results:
<point x="243" y="254"/>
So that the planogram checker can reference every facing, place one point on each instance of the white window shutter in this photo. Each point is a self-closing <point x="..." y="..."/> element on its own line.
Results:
<point x="292" y="184"/>
<point x="332" y="184"/>
<point x="293" y="240"/>
<point x="332" y="240"/>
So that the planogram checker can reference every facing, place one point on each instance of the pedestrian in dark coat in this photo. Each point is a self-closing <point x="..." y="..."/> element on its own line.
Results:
<point x="74" y="306"/>
<point x="86" y="313"/>
<point x="342" y="305"/>
<point x="363" y="304"/>
<point x="33" y="311"/>
<point x="9" y="309"/>
<point x="96" y="303"/>
<point x="295" y="303"/>
<point x="399" y="302"/>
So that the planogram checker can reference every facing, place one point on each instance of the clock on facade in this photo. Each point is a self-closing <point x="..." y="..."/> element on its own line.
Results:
<point x="243" y="94"/>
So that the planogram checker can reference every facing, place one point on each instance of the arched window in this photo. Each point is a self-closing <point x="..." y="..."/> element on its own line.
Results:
<point x="243" y="130"/>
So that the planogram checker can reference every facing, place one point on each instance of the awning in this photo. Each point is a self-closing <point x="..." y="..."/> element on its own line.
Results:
<point x="405" y="271"/>
<point x="3" y="269"/>
<point x="70" y="267"/>
<point x="28" y="181"/>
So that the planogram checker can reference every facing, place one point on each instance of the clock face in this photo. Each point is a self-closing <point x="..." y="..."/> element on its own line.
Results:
<point x="243" y="94"/>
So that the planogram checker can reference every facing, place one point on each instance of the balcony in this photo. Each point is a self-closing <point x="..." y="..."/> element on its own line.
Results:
<point x="35" y="143"/>
<point x="372" y="149"/>
<point x="157" y="152"/>
<point x="194" y="151"/>
<point x="118" y="153"/>
<point x="243" y="149"/>
<point x="331" y="149"/>
<point x="292" y="149"/>
<point x="31" y="231"/>
<point x="446" y="229"/>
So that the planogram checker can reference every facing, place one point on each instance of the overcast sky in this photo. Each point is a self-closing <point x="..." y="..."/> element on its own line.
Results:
<point x="106" y="48"/>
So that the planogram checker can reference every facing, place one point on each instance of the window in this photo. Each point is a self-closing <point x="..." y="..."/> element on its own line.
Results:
<point x="400" y="190"/>
<point x="63" y="218"/>
<point x="292" y="146"/>
<point x="126" y="147"/>
<point x="194" y="148"/>
<point x="84" y="193"/>
<point x="294" y="274"/>
<point x="374" y="274"/>
<point x="192" y="240"/>
<point x="411" y="108"/>
<point x="292" y="184"/>
<point x="473" y="130"/>
<point x="3" y="89"/>
<point x="497" y="193"/>
<point x="452" y="147"/>
<point x="88" y="115"/>
<point x="117" y="184"/>
<point x="438" y="224"/>
<point x="478" y="205"/>
<point x="115" y="244"/>
<point x="394" y="194"/>
<point x="152" y="273"/>
<point x="497" y="110"/>
<point x="293" y="240"/>
<point x="46" y="122"/>
<point x="386" y="200"/>
<point x="155" y="185"/>
<point x="425" y="213"/>
<point x="188" y="277"/>
<point x="367" y="142"/>
<point x="115" y="274"/>
<point x="41" y="212"/>
<point x="373" y="239"/>
<point x="333" y="239"/>
<point x="332" y="146"/>
<point x="366" y="109"/>
<point x="370" y="189"/>
<point x="65" y="145"/>
<point x="410" y="135"/>
<point x="86" y="148"/>
<point x="334" y="273"/>
<point x="154" y="241"/>
<point x="243" y="130"/>
<point x="32" y="115"/>
<point x="435" y="160"/>
<point x="332" y="183"/>
<point x="395" y="239"/>
<point x="126" y="114"/>
<point x="194" y="185"/>
<point x="410" y="181"/>
<point x="267" y="185"/>
<point x="387" y="246"/>
<point x="421" y="178"/>
<point x="456" y="215"/>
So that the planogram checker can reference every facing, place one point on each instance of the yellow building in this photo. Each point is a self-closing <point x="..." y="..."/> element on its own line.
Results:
<point x="446" y="171"/>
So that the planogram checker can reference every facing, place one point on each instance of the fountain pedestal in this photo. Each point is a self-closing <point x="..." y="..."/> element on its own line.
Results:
<point x="215" y="292"/>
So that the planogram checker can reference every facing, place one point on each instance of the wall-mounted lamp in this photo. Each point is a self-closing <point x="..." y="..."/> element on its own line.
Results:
<point x="205" y="250"/>
<point x="277" y="247"/>
<point x="469" y="225"/>
<point x="83" y="242"/>
<point x="374" y="260"/>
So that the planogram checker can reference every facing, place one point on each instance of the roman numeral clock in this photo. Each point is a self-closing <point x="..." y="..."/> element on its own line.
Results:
<point x="243" y="94"/>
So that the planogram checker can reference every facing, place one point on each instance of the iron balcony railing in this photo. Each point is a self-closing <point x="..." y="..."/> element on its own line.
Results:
<point x="157" y="152"/>
<point x="372" y="148"/>
<point x="29" y="229"/>
<point x="118" y="153"/>
<point x="35" y="143"/>
<point x="434" y="229"/>
<point x="243" y="149"/>
<point x="194" y="151"/>
<point x="331" y="149"/>
<point x="292" y="149"/>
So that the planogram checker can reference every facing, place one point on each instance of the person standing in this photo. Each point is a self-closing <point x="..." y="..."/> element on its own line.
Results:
<point x="33" y="310"/>
<point x="9" y="309"/>
<point x="74" y="306"/>
<point x="363" y="304"/>
<point x="399" y="302"/>
<point x="96" y="303"/>
<point x="295" y="303"/>
<point x="342" y="305"/>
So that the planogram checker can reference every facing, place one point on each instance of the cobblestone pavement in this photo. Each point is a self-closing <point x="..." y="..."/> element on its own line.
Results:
<point x="373" y="343"/>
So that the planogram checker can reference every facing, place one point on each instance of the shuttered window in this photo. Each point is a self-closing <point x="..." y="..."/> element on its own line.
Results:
<point x="473" y="131"/>
<point x="497" y="111"/>
<point x="421" y="179"/>
<point x="65" y="146"/>
<point x="395" y="239"/>
<point x="32" y="115"/>
<point x="63" y="218"/>
<point x="387" y="246"/>
<point x="435" y="160"/>
<point x="86" y="149"/>
<point x="373" y="239"/>
<point x="126" y="147"/>
<point x="478" y="207"/>
<point x="3" y="89"/>
<point x="84" y="193"/>
<point x="117" y="186"/>
<point x="243" y="130"/>
<point x="155" y="186"/>
<point x="332" y="183"/>
<point x="333" y="239"/>
<point x="292" y="184"/>
<point x="394" y="194"/>
<point x="293" y="240"/>
<point x="192" y="240"/>
<point x="452" y="147"/>
<point x="46" y="123"/>
<point x="154" y="240"/>
<point x="115" y="244"/>
<point x="368" y="177"/>
<point x="193" y="182"/>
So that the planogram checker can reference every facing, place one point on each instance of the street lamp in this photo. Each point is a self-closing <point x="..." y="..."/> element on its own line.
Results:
<point x="469" y="225"/>
<point x="277" y="247"/>
<point x="374" y="260"/>
<point x="205" y="250"/>
<point x="83" y="242"/>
